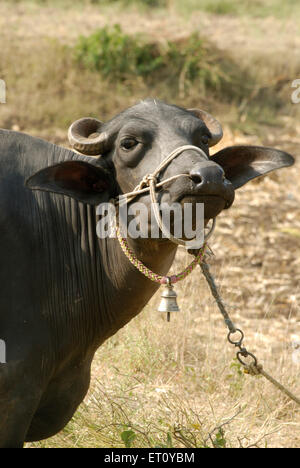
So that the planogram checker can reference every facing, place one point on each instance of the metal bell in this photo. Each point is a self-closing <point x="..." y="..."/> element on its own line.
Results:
<point x="168" y="302"/>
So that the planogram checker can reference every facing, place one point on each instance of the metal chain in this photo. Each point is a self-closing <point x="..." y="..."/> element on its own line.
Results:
<point x="253" y="368"/>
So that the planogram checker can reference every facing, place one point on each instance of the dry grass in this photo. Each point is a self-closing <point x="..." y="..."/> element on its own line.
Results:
<point x="176" y="384"/>
<point x="38" y="66"/>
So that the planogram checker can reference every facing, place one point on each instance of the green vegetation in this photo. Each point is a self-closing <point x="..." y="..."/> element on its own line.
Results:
<point x="103" y="70"/>
<point x="99" y="72"/>
<point x="122" y="57"/>
<point x="117" y="55"/>
<point x="181" y="69"/>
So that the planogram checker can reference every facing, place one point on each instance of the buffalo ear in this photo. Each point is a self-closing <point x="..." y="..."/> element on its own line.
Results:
<point x="77" y="179"/>
<point x="243" y="163"/>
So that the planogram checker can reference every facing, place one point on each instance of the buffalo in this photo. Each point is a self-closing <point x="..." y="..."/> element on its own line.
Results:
<point x="64" y="290"/>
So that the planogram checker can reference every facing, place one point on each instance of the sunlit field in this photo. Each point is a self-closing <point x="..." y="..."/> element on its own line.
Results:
<point x="178" y="384"/>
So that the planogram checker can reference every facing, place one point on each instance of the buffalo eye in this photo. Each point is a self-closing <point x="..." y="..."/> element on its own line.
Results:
<point x="205" y="139"/>
<point x="128" y="143"/>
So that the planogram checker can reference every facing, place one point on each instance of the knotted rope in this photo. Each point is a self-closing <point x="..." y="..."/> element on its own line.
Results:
<point x="154" y="276"/>
<point x="150" y="183"/>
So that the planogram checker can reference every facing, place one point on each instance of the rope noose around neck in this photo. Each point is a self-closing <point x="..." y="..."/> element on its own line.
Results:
<point x="150" y="183"/>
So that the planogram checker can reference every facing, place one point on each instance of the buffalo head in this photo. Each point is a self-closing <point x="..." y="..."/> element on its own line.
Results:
<point x="137" y="140"/>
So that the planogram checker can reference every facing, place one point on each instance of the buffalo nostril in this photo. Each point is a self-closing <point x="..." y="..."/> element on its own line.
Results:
<point x="213" y="175"/>
<point x="196" y="178"/>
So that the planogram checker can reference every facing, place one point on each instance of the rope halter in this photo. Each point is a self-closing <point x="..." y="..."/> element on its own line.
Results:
<point x="150" y="183"/>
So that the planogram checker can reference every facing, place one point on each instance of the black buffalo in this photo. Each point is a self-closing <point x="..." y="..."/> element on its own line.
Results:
<point x="64" y="291"/>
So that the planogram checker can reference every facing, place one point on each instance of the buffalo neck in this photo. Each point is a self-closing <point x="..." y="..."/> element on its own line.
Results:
<point x="92" y="287"/>
<point x="126" y="290"/>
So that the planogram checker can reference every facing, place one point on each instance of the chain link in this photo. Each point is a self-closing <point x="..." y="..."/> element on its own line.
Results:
<point x="242" y="350"/>
<point x="252" y="368"/>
